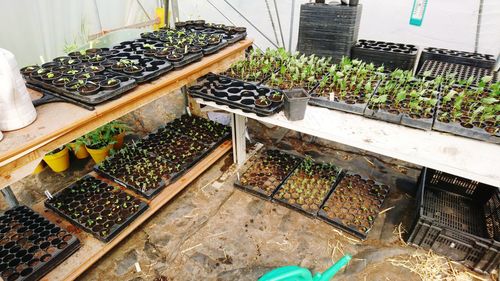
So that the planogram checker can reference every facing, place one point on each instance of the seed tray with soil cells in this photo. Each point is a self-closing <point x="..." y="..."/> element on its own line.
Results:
<point x="161" y="157"/>
<point x="30" y="245"/>
<point x="459" y="57"/>
<point x="462" y="72"/>
<point x="348" y="86"/>
<point x="209" y="43"/>
<point x="391" y="55"/>
<point x="138" y="66"/>
<point x="96" y="207"/>
<point x="308" y="186"/>
<point x="300" y="71"/>
<point x="266" y="172"/>
<point x="232" y="34"/>
<point x="246" y="96"/>
<point x="86" y="81"/>
<point x="354" y="204"/>
<point x="470" y="111"/>
<point x="402" y="99"/>
<point x="257" y="66"/>
<point x="178" y="52"/>
<point x="200" y="129"/>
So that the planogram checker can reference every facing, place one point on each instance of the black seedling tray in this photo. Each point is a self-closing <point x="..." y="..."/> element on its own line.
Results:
<point x="459" y="130"/>
<point x="391" y="55"/>
<point x="459" y="57"/>
<point x="355" y="108"/>
<point x="234" y="93"/>
<point x="156" y="143"/>
<point x="84" y="202"/>
<point x="370" y="190"/>
<point x="137" y="47"/>
<point x="231" y="38"/>
<point x="462" y="72"/>
<point x="125" y="84"/>
<point x="278" y="179"/>
<point x="153" y="68"/>
<point x="458" y="218"/>
<point x="297" y="207"/>
<point x="30" y="245"/>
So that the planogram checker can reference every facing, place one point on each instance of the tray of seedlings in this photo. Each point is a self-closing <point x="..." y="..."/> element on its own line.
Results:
<point x="354" y="204"/>
<point x="209" y="43"/>
<point x="86" y="78"/>
<point x="459" y="57"/>
<point x="30" y="245"/>
<point x="308" y="186"/>
<point x="348" y="86"/>
<point x="257" y="66"/>
<point x="200" y="129"/>
<point x="246" y="96"/>
<point x="470" y="111"/>
<point x="231" y="34"/>
<point x="266" y="172"/>
<point x="154" y="162"/>
<point x="179" y="51"/>
<point x="405" y="100"/>
<point x="138" y="66"/>
<point x="300" y="71"/>
<point x="96" y="207"/>
<point x="391" y="55"/>
<point x="432" y="68"/>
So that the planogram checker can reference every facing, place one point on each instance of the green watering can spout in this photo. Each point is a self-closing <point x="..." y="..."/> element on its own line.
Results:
<point x="296" y="273"/>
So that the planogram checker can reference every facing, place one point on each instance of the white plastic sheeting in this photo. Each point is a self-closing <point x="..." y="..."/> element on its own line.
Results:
<point x="447" y="23"/>
<point x="34" y="28"/>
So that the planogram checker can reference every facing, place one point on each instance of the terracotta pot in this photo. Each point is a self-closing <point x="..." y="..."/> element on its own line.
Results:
<point x="119" y="140"/>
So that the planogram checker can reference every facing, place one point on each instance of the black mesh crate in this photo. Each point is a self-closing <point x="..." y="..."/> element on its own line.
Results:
<point x="458" y="218"/>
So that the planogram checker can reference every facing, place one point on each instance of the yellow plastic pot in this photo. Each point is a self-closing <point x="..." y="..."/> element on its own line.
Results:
<point x="39" y="168"/>
<point x="99" y="154"/>
<point x="59" y="161"/>
<point x="119" y="140"/>
<point x="79" y="150"/>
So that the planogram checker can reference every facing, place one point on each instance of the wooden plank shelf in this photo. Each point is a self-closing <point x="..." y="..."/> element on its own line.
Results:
<point x="60" y="123"/>
<point x="92" y="249"/>
<point x="472" y="159"/>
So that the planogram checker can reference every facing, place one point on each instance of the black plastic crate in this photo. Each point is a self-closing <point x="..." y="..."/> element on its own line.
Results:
<point x="458" y="218"/>
<point x="30" y="245"/>
<point x="455" y="56"/>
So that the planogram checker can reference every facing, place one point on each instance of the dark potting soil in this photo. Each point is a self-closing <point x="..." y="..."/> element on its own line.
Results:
<point x="354" y="204"/>
<point x="267" y="172"/>
<point x="307" y="188"/>
<point x="161" y="157"/>
<point x="96" y="207"/>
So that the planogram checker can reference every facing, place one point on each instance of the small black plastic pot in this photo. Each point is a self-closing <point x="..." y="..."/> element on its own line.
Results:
<point x="262" y="102"/>
<point x="295" y="104"/>
<point x="110" y="84"/>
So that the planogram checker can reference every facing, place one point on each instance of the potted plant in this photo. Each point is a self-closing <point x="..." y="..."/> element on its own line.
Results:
<point x="118" y="130"/>
<point x="262" y="102"/>
<point x="58" y="159"/>
<point x="99" y="143"/>
<point x="78" y="148"/>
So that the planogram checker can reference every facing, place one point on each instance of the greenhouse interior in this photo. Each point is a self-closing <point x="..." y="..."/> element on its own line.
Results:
<point x="269" y="140"/>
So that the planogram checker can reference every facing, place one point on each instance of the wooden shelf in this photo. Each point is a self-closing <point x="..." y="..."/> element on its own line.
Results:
<point x="60" y="123"/>
<point x="92" y="249"/>
<point x="472" y="159"/>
